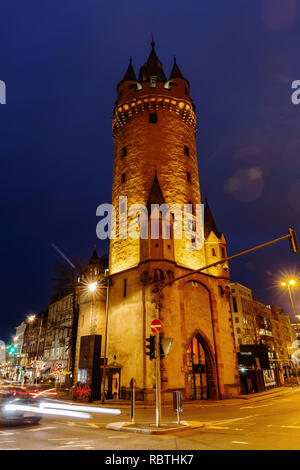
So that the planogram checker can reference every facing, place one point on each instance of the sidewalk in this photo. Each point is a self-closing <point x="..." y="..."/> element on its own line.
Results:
<point x="171" y="427"/>
<point x="228" y="401"/>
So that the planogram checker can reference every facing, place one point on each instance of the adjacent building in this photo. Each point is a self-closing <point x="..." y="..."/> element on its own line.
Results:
<point x="258" y="323"/>
<point x="57" y="356"/>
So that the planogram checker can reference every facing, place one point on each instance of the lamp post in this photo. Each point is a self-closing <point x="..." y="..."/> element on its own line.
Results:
<point x="92" y="288"/>
<point x="105" y="343"/>
<point x="288" y="284"/>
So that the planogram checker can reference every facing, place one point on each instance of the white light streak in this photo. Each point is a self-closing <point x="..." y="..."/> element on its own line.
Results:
<point x="91" y="409"/>
<point x="34" y="409"/>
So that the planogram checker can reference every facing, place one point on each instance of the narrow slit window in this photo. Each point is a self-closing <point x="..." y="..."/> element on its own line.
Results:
<point x="153" y="118"/>
<point x="188" y="176"/>
<point x="186" y="151"/>
<point x="123" y="177"/>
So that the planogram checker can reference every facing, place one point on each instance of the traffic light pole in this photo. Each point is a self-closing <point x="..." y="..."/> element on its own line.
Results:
<point x="295" y="248"/>
<point x="158" y="381"/>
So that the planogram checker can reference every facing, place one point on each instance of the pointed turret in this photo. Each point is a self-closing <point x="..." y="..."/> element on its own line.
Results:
<point x="156" y="195"/>
<point x="152" y="69"/>
<point x="209" y="222"/>
<point x="175" y="72"/>
<point x="129" y="74"/>
<point x="94" y="259"/>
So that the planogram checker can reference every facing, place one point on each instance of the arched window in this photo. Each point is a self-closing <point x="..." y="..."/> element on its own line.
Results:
<point x="158" y="275"/>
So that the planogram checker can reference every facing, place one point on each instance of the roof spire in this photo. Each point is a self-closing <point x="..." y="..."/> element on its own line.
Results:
<point x="156" y="195"/>
<point x="94" y="259"/>
<point x="130" y="73"/>
<point x="175" y="72"/>
<point x="152" y="68"/>
<point x="152" y="42"/>
<point x="209" y="221"/>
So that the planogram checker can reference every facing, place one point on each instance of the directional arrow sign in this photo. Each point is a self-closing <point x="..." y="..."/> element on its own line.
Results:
<point x="156" y="326"/>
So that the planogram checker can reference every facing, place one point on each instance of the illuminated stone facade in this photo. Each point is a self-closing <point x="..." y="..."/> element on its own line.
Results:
<point x="155" y="161"/>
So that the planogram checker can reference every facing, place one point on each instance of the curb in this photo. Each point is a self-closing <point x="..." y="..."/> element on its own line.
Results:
<point x="129" y="427"/>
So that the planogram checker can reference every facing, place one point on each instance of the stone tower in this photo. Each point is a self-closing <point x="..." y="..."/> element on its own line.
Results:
<point x="155" y="162"/>
<point x="154" y="127"/>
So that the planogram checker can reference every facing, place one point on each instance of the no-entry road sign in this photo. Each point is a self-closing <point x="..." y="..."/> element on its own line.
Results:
<point x="156" y="326"/>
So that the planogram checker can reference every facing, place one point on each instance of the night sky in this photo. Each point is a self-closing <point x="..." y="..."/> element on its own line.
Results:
<point x="61" y="61"/>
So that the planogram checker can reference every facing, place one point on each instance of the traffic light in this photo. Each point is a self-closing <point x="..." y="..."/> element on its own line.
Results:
<point x="161" y="349"/>
<point x="293" y="241"/>
<point x="150" y="347"/>
<point x="12" y="349"/>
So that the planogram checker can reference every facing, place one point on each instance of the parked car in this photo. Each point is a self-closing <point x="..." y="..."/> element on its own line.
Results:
<point x="17" y="396"/>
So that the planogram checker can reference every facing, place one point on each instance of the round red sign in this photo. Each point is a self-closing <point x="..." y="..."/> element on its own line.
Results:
<point x="156" y="326"/>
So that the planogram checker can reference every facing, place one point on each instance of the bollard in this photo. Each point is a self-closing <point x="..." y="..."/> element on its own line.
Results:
<point x="177" y="403"/>
<point x="132" y="407"/>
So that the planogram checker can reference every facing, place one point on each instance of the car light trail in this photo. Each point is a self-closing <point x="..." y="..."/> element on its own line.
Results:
<point x="91" y="409"/>
<point x="34" y="409"/>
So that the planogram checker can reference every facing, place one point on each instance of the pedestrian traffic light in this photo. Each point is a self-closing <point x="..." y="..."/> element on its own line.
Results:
<point x="294" y="241"/>
<point x="150" y="347"/>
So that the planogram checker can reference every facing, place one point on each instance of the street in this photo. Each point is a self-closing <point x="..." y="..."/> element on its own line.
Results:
<point x="268" y="424"/>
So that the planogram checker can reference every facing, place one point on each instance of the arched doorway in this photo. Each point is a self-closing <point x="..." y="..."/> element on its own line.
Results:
<point x="200" y="370"/>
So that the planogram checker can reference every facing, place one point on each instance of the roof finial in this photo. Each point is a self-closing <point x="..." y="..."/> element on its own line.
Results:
<point x="130" y="60"/>
<point x="152" y="42"/>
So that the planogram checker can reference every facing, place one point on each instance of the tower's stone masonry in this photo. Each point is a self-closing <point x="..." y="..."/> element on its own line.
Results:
<point x="155" y="161"/>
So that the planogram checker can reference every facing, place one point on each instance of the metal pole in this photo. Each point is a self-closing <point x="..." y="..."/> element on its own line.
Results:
<point x="91" y="317"/>
<point x="105" y="344"/>
<point x="158" y="382"/>
<point x="222" y="261"/>
<point x="295" y="317"/>
<point x="133" y="401"/>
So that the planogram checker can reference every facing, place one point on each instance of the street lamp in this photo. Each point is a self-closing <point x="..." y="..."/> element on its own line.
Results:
<point x="92" y="288"/>
<point x="288" y="284"/>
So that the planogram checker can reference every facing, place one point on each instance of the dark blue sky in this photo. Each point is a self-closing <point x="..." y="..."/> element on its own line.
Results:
<point x="61" y="62"/>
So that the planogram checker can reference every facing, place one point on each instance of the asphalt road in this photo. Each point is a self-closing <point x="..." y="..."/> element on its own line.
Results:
<point x="269" y="424"/>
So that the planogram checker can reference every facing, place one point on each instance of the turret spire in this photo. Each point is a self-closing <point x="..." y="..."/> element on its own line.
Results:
<point x="209" y="221"/>
<point x="152" y="68"/>
<point x="130" y="73"/>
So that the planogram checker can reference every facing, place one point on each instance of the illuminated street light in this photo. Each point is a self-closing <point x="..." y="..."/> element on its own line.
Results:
<point x="93" y="286"/>
<point x="31" y="318"/>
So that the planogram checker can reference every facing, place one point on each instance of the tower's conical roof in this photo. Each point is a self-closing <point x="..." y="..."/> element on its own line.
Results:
<point x="152" y="68"/>
<point x="129" y="74"/>
<point x="94" y="259"/>
<point x="209" y="222"/>
<point x="175" y="72"/>
<point x="156" y="195"/>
